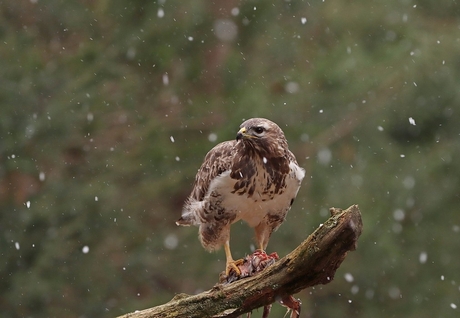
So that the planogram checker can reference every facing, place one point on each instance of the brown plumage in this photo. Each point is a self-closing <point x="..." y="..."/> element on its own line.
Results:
<point x="254" y="178"/>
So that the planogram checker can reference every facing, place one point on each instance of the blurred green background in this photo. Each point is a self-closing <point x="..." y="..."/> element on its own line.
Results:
<point x="107" y="109"/>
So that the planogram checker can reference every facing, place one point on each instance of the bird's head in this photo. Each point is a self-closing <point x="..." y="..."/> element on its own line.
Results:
<point x="263" y="135"/>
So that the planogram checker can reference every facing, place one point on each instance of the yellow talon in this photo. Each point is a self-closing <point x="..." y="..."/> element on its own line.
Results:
<point x="234" y="265"/>
<point x="230" y="263"/>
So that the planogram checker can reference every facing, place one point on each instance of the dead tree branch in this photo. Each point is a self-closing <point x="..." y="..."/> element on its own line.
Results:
<point x="313" y="262"/>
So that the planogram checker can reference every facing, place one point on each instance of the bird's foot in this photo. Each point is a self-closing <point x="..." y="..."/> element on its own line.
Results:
<point x="249" y="266"/>
<point x="292" y="304"/>
<point x="233" y="268"/>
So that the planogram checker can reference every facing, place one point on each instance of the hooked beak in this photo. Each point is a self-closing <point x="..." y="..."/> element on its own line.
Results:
<point x="241" y="133"/>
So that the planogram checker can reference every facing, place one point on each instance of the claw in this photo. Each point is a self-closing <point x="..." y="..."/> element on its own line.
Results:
<point x="233" y="266"/>
<point x="293" y="306"/>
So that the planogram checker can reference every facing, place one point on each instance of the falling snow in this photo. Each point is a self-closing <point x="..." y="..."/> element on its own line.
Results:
<point x="412" y="121"/>
<point x="131" y="53"/>
<point x="394" y="293"/>
<point x="354" y="289"/>
<point x="409" y="182"/>
<point x="292" y="87"/>
<point x="171" y="138"/>
<point x="225" y="30"/>
<point x="171" y="241"/>
<point x="423" y="257"/>
<point x="16" y="244"/>
<point x="348" y="277"/>
<point x="165" y="79"/>
<point x="304" y="137"/>
<point x="85" y="249"/>
<point x="212" y="137"/>
<point x="324" y="156"/>
<point x="397" y="228"/>
<point x="398" y="215"/>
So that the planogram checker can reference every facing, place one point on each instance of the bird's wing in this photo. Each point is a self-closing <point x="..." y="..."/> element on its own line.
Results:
<point x="218" y="160"/>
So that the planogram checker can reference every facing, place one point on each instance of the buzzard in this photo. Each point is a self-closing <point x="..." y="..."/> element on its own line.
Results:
<point x="254" y="178"/>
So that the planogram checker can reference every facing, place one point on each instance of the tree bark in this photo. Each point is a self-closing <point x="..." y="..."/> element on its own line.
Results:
<point x="313" y="262"/>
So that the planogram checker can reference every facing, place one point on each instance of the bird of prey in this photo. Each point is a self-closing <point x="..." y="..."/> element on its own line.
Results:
<point x="254" y="178"/>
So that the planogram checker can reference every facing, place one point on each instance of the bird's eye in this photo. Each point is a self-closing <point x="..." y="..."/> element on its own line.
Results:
<point x="259" y="130"/>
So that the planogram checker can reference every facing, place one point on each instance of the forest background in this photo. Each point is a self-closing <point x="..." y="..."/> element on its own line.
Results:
<point x="107" y="109"/>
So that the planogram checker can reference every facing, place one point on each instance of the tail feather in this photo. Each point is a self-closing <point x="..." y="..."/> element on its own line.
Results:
<point x="189" y="212"/>
<point x="186" y="219"/>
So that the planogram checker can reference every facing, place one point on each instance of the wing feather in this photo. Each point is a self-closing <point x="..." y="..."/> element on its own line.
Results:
<point x="218" y="160"/>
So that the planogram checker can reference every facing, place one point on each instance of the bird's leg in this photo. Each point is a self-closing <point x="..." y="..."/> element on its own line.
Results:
<point x="261" y="247"/>
<point x="261" y="236"/>
<point x="230" y="263"/>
